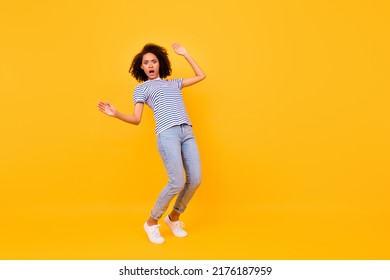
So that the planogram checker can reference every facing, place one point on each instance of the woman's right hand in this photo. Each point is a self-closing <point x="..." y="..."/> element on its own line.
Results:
<point x="107" y="108"/>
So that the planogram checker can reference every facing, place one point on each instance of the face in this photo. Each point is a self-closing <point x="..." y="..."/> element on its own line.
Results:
<point x="151" y="66"/>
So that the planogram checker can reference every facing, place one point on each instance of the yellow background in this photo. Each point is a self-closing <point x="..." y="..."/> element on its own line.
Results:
<point x="292" y="124"/>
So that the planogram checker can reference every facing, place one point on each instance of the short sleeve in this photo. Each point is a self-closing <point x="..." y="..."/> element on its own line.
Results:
<point x="139" y="95"/>
<point x="178" y="83"/>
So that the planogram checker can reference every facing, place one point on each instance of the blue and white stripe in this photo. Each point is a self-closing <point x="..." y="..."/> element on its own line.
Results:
<point x="164" y="97"/>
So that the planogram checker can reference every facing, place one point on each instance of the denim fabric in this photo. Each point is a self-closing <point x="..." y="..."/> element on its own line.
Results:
<point x="179" y="152"/>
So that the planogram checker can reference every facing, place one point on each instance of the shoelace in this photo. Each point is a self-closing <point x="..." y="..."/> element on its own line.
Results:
<point x="155" y="231"/>
<point x="179" y="225"/>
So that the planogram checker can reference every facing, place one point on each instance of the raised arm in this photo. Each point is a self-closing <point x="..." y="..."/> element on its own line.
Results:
<point x="199" y="74"/>
<point x="110" y="110"/>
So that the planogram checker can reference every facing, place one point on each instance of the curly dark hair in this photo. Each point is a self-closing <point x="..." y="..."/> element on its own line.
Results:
<point x="162" y="56"/>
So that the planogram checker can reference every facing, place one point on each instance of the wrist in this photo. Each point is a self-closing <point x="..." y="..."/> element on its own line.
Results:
<point x="116" y="114"/>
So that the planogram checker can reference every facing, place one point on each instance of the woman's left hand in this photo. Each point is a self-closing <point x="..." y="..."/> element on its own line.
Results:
<point x="179" y="49"/>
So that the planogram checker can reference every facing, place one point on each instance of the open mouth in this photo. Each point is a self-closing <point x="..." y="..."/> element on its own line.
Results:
<point x="151" y="71"/>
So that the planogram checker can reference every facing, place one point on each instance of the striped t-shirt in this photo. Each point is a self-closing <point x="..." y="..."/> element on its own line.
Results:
<point x="165" y="99"/>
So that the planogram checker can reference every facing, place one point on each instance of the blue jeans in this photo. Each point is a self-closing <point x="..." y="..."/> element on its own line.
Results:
<point x="179" y="152"/>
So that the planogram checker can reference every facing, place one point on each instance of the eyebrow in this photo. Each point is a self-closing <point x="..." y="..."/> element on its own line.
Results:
<point x="154" y="59"/>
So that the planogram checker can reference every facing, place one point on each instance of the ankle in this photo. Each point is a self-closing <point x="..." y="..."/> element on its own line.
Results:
<point x="173" y="218"/>
<point x="151" y="222"/>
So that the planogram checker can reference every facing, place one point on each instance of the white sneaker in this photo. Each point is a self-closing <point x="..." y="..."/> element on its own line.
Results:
<point x="176" y="227"/>
<point x="153" y="234"/>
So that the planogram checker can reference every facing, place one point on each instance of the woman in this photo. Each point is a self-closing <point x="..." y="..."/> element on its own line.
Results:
<point x="176" y="142"/>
